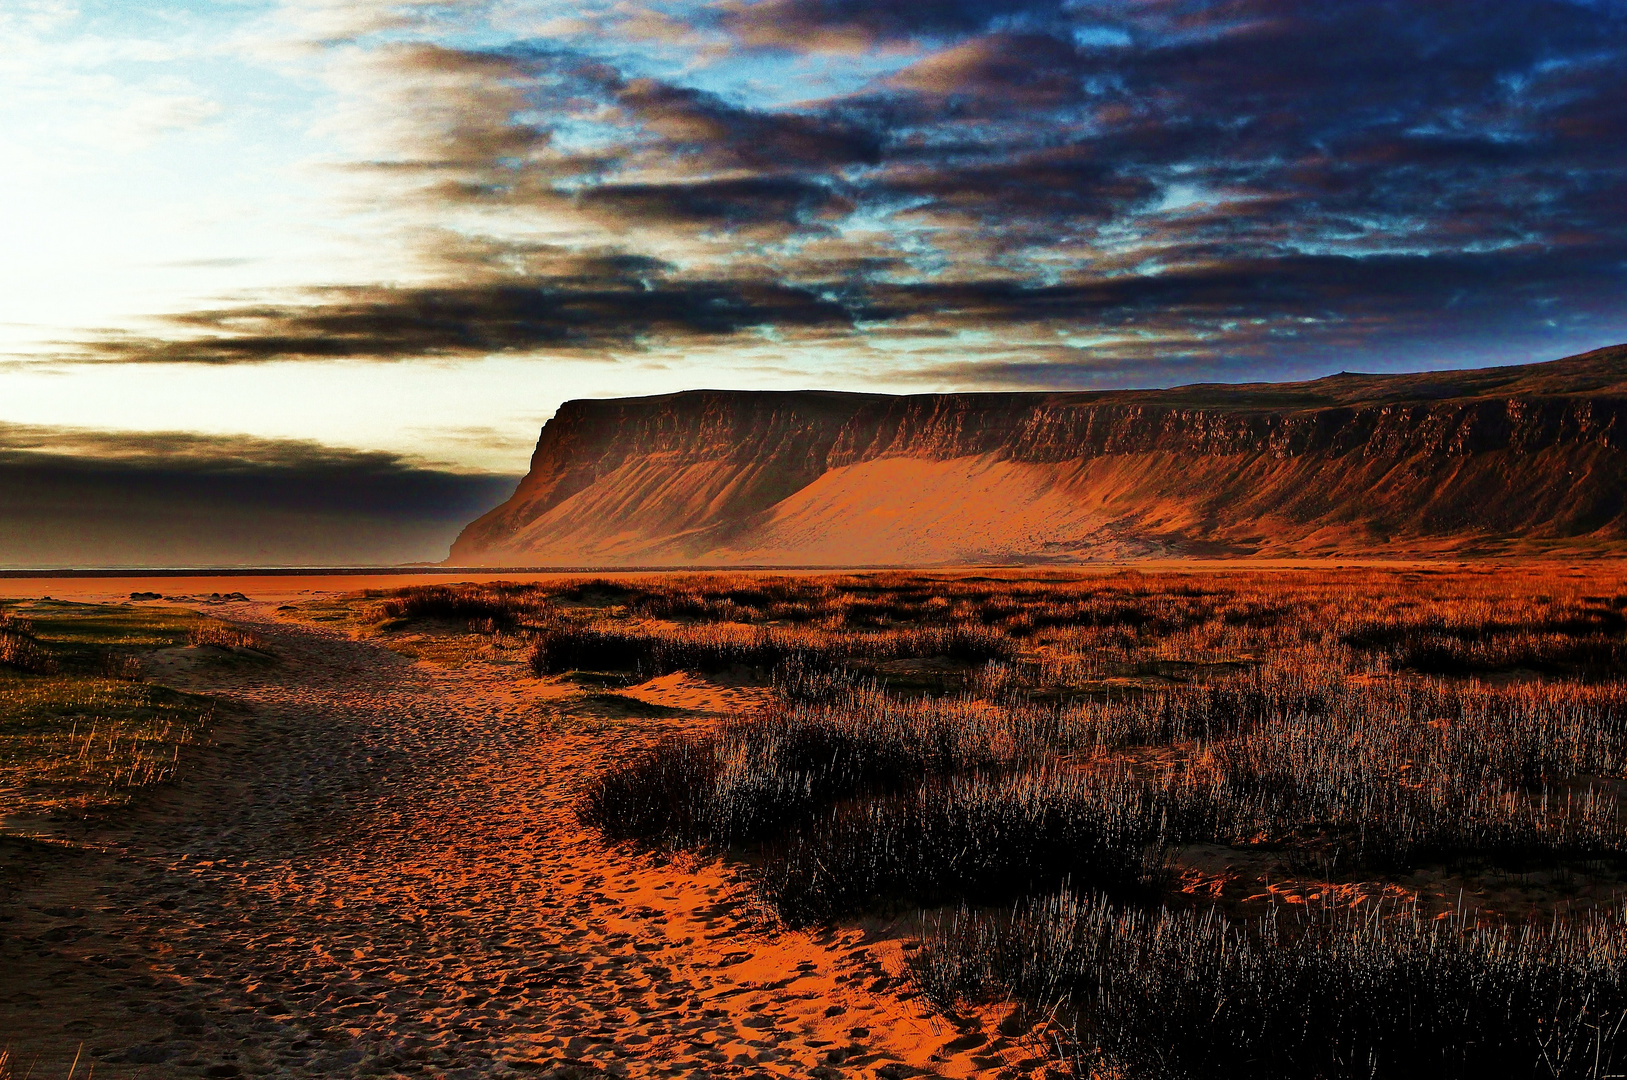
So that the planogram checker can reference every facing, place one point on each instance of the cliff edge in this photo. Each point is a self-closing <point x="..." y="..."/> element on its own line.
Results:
<point x="1491" y="461"/>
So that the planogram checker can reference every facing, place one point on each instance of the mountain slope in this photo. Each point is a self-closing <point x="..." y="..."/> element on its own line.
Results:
<point x="1499" y="459"/>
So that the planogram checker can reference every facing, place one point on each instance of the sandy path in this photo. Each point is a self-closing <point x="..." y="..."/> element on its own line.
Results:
<point x="380" y="874"/>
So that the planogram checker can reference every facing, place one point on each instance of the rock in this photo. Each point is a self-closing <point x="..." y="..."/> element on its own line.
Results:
<point x="1351" y="463"/>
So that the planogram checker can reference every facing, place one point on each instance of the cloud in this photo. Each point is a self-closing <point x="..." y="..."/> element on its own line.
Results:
<point x="724" y="135"/>
<point x="174" y="112"/>
<point x="405" y="323"/>
<point x="783" y="205"/>
<point x="1014" y="72"/>
<point x="1320" y="303"/>
<point x="87" y="498"/>
<point x="1234" y="182"/>
<point x="852" y="25"/>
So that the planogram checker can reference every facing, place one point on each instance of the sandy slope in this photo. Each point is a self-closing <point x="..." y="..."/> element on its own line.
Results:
<point x="376" y="871"/>
<point x="1498" y="461"/>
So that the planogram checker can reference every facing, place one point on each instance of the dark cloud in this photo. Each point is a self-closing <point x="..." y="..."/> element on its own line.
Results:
<point x="466" y="107"/>
<point x="1319" y="303"/>
<point x="1237" y="182"/>
<point x="776" y="203"/>
<point x="482" y="319"/>
<point x="1424" y="295"/>
<point x="78" y="498"/>
<point x="1013" y="72"/>
<point x="1043" y="190"/>
<point x="851" y="25"/>
<point x="693" y="122"/>
<point x="484" y="131"/>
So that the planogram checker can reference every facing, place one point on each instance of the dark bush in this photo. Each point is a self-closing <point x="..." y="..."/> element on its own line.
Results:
<point x="1330" y="993"/>
<point x="988" y="840"/>
<point x="21" y="651"/>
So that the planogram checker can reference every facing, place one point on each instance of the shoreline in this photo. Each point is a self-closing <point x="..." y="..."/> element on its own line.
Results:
<point x="283" y="583"/>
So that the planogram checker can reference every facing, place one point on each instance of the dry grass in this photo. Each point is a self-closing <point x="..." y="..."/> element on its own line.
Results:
<point x="1556" y="622"/>
<point x="1328" y="992"/>
<point x="80" y="731"/>
<point x="1376" y="719"/>
<point x="20" y="650"/>
<point x="223" y="636"/>
<point x="1035" y="753"/>
<point x="9" y="1066"/>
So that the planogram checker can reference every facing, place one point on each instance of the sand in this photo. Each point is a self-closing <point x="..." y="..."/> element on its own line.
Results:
<point x="281" y="588"/>
<point x="376" y="871"/>
<point x="289" y="588"/>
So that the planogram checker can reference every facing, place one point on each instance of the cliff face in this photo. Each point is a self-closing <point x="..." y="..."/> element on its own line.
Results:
<point x="1503" y="459"/>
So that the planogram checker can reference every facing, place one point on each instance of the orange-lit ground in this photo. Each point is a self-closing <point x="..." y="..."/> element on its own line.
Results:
<point x="278" y="587"/>
<point x="376" y="871"/>
<point x="283" y="588"/>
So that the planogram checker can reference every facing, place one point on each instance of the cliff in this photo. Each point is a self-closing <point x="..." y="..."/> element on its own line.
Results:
<point x="1499" y="460"/>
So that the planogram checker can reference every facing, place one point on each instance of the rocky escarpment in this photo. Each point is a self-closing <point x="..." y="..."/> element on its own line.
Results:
<point x="1502" y="459"/>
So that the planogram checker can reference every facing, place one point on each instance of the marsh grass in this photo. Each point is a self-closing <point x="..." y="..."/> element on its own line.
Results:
<point x="224" y="636"/>
<point x="1382" y="726"/>
<point x="20" y="650"/>
<point x="1291" y="709"/>
<point x="649" y="650"/>
<point x="1394" y="776"/>
<point x="485" y="608"/>
<point x="1317" y="991"/>
<point x="1073" y="629"/>
<point x="80" y="732"/>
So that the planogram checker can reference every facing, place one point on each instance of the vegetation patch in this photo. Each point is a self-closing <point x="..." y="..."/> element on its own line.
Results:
<point x="1328" y="992"/>
<point x="1195" y="824"/>
<point x="80" y="730"/>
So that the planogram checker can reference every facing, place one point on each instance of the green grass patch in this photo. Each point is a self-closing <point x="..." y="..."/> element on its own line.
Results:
<point x="82" y="637"/>
<point x="79" y="731"/>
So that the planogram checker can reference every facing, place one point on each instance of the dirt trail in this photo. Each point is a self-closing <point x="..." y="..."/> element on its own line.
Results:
<point x="376" y="871"/>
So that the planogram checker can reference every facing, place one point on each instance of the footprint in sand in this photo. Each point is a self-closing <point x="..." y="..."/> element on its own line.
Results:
<point x="378" y="872"/>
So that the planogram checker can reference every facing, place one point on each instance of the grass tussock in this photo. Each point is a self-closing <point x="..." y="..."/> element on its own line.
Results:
<point x="734" y="786"/>
<point x="223" y="636"/>
<point x="602" y="645"/>
<point x="1322" y="992"/>
<point x="982" y="839"/>
<point x="20" y="650"/>
<point x="483" y="607"/>
<point x="870" y="799"/>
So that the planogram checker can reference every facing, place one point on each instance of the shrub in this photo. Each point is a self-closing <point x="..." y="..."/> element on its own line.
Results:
<point x="1327" y="992"/>
<point x="984" y="839"/>
<point x="21" y="650"/>
<point x="500" y="605"/>
<point x="222" y="635"/>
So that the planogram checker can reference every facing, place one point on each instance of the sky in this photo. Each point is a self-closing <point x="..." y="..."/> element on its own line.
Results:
<point x="401" y="232"/>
